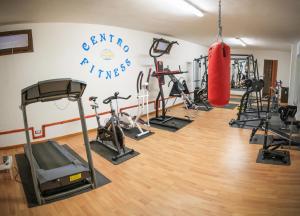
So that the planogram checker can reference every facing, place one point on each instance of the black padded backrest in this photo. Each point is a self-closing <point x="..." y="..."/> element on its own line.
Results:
<point x="287" y="111"/>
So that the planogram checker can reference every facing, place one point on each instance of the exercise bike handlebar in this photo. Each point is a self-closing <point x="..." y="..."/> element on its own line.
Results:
<point x="115" y="97"/>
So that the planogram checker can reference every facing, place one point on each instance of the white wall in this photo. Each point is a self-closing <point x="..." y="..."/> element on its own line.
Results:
<point x="294" y="93"/>
<point x="57" y="54"/>
<point x="284" y="59"/>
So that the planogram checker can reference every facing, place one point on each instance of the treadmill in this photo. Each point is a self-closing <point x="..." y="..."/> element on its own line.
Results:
<point x="55" y="171"/>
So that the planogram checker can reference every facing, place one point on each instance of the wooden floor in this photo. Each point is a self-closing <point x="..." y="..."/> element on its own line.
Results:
<point x="206" y="168"/>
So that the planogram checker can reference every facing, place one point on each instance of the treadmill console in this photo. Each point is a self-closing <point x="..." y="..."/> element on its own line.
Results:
<point x="54" y="89"/>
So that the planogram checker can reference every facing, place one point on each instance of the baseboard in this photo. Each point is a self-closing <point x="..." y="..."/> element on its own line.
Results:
<point x="40" y="141"/>
<point x="16" y="146"/>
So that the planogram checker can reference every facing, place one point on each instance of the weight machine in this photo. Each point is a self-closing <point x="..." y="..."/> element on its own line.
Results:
<point x="180" y="90"/>
<point x="200" y="91"/>
<point x="281" y="136"/>
<point x="244" y="67"/>
<point x="171" y="123"/>
<point x="245" y="109"/>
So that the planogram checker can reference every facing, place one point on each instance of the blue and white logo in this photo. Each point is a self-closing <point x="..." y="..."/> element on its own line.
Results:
<point x="106" y="56"/>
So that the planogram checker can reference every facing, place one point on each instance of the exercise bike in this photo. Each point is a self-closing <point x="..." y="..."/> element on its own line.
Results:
<point x="132" y="124"/>
<point x="111" y="135"/>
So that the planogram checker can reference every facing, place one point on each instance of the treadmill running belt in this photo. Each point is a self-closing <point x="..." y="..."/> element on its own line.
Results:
<point x="48" y="156"/>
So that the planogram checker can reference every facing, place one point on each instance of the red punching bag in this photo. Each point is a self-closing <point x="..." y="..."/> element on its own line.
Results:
<point x="219" y="70"/>
<point x="219" y="74"/>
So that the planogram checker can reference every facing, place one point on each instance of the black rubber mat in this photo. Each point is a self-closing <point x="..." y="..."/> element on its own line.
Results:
<point x="250" y="124"/>
<point x="108" y="154"/>
<point x="259" y="139"/>
<point x="27" y="183"/>
<point x="169" y="125"/>
<point x="132" y="133"/>
<point x="253" y="115"/>
<point x="273" y="121"/>
<point x="272" y="161"/>
<point x="202" y="107"/>
<point x="205" y="109"/>
<point x="246" y="125"/>
<point x="229" y="106"/>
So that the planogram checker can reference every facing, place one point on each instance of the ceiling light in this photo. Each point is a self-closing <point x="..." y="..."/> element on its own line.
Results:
<point x="189" y="6"/>
<point x="177" y="7"/>
<point x="241" y="41"/>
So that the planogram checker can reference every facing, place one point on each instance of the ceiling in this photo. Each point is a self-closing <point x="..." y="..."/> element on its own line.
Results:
<point x="262" y="24"/>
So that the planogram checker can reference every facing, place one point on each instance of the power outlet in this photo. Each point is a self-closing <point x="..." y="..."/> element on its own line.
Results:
<point x="37" y="132"/>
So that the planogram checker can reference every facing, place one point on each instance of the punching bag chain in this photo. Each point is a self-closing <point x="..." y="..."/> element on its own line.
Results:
<point x="220" y="23"/>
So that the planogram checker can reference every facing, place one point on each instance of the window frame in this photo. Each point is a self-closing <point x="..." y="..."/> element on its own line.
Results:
<point x="16" y="50"/>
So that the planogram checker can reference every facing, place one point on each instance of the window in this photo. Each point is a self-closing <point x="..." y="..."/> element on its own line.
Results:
<point x="13" y="42"/>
